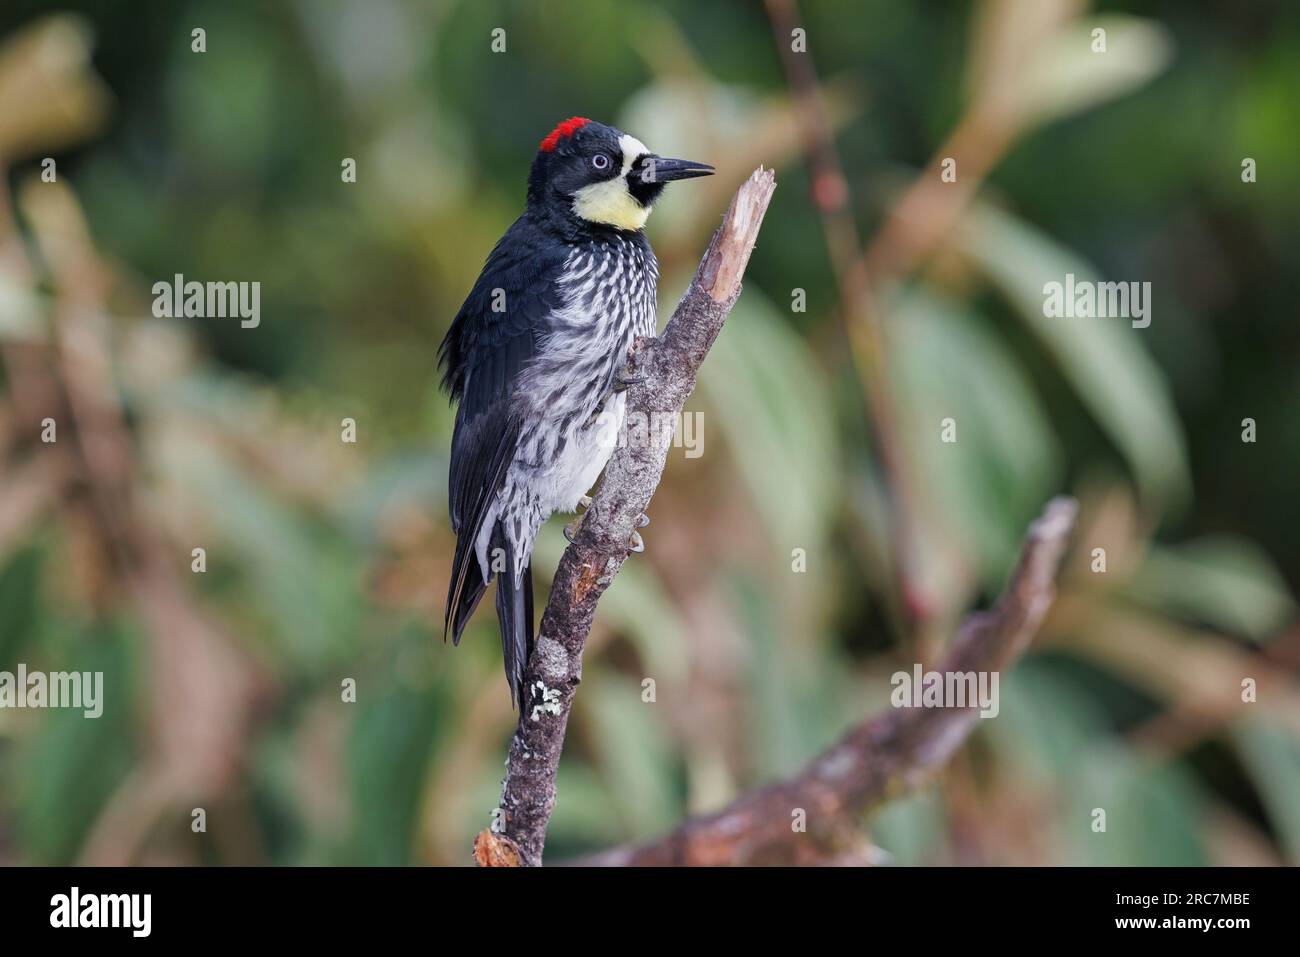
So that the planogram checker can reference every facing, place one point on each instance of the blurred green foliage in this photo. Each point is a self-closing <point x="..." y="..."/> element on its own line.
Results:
<point x="328" y="561"/>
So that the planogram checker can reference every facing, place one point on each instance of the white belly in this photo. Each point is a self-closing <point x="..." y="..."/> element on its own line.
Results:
<point x="533" y="492"/>
<point x="575" y="470"/>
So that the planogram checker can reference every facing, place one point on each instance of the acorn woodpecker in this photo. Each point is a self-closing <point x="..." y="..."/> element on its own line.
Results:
<point x="534" y="360"/>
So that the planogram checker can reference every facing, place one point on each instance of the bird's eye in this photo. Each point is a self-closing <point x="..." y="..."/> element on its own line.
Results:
<point x="600" y="161"/>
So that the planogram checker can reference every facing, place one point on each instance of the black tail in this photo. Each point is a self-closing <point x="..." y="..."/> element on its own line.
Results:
<point x="514" y="603"/>
<point x="515" y="613"/>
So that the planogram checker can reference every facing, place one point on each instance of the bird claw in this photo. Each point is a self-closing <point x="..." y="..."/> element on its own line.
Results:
<point x="571" y="529"/>
<point x="622" y="382"/>
<point x="635" y="543"/>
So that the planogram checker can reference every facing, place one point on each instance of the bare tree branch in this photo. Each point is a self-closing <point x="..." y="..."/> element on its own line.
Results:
<point x="669" y="365"/>
<point x="879" y="759"/>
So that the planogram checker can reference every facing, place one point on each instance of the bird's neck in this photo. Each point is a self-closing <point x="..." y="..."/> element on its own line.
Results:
<point x="562" y="221"/>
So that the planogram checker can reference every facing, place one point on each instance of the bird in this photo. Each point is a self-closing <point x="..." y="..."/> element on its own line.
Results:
<point x="533" y="361"/>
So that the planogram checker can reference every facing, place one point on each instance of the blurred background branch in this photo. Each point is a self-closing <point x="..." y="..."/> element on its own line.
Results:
<point x="880" y="759"/>
<point x="829" y="192"/>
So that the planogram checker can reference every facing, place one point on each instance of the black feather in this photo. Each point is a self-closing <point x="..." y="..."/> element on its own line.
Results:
<point x="467" y="581"/>
<point x="495" y="333"/>
<point x="493" y="337"/>
<point x="515" y="615"/>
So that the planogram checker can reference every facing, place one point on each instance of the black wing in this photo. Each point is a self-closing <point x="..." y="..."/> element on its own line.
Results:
<point x="492" y="338"/>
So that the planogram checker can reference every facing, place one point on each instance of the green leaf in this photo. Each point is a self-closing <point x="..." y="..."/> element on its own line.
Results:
<point x="1102" y="358"/>
<point x="1272" y="755"/>
<point x="989" y="482"/>
<point x="795" y="710"/>
<point x="764" y="389"/>
<point x="1154" y="813"/>
<point x="1046" y="721"/>
<point x="1228" y="583"/>
<point x="1060" y="737"/>
<point x="20" y="610"/>
<point x="587" y="817"/>
<point x="910" y="830"/>
<point x="392" y="745"/>
<point x="68" y="769"/>
<point x="299" y="575"/>
<point x="635" y="755"/>
<point x="1065" y="76"/>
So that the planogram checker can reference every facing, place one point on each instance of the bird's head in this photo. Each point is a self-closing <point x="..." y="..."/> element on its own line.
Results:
<point x="601" y="175"/>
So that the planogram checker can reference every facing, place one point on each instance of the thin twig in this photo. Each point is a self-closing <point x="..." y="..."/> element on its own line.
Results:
<point x="860" y="312"/>
<point x="915" y="226"/>
<point x="669" y="365"/>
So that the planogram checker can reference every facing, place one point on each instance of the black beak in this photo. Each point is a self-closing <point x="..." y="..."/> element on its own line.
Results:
<point x="656" y="169"/>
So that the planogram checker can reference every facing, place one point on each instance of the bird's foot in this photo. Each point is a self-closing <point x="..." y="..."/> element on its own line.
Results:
<point x="571" y="529"/>
<point x="621" y="382"/>
<point x="636" y="543"/>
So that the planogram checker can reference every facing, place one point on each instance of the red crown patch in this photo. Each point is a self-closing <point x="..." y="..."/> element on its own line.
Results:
<point x="563" y="131"/>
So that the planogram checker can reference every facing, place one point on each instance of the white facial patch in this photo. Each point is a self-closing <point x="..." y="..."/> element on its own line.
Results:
<point x="609" y="201"/>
